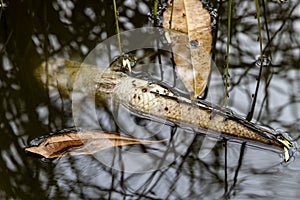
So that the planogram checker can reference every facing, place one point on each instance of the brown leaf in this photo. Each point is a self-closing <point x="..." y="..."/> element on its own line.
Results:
<point x="191" y="43"/>
<point x="82" y="142"/>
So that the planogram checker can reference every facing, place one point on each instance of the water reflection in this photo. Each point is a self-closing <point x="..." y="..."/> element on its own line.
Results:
<point x="32" y="32"/>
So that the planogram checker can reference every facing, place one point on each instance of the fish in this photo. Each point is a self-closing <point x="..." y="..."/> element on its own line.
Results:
<point x="156" y="101"/>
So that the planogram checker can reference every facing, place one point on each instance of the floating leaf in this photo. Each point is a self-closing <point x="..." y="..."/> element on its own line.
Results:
<point x="191" y="43"/>
<point x="82" y="142"/>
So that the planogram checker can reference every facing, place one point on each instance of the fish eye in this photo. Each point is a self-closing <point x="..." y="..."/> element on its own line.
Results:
<point x="279" y="137"/>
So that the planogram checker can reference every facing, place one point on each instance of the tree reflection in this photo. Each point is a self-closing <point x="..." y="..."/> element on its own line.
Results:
<point x="34" y="31"/>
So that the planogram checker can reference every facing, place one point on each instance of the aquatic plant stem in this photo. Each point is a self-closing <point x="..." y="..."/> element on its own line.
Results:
<point x="1" y="7"/>
<point x="225" y="170"/>
<point x="117" y="27"/>
<point x="259" y="29"/>
<point x="227" y="52"/>
<point x="251" y="112"/>
<point x="155" y="8"/>
<point x="171" y="17"/>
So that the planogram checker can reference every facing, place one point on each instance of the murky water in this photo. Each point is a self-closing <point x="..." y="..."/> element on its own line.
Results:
<point x="34" y="31"/>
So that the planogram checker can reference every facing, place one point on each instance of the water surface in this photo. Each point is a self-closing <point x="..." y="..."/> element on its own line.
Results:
<point x="34" y="31"/>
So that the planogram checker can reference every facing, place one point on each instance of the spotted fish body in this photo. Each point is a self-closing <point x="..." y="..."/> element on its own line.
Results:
<point x="154" y="100"/>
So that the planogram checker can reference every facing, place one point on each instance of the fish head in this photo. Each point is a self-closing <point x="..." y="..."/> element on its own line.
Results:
<point x="287" y="144"/>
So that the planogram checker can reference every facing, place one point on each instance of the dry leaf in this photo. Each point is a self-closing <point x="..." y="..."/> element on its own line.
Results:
<point x="191" y="43"/>
<point x="82" y="142"/>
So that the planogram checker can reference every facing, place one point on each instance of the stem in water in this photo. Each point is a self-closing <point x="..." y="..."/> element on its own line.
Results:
<point x="227" y="52"/>
<point x="117" y="27"/>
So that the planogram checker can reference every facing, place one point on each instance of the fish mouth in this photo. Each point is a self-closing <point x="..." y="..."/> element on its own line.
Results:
<point x="288" y="147"/>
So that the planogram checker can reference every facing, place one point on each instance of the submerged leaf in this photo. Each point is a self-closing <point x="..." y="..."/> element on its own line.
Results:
<point x="191" y="43"/>
<point x="82" y="142"/>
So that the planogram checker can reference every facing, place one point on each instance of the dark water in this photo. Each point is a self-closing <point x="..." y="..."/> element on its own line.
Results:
<point x="35" y="31"/>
